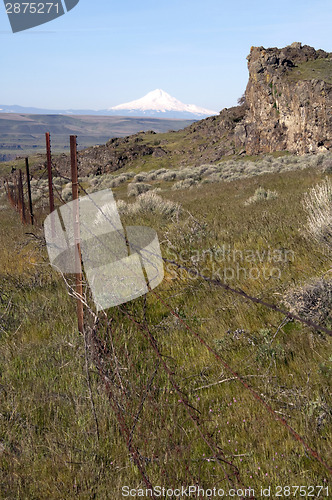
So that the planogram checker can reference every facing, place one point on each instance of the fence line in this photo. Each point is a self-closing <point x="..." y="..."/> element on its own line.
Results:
<point x="98" y="351"/>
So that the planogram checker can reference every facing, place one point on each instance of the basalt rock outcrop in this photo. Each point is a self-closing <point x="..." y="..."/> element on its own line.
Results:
<point x="289" y="99"/>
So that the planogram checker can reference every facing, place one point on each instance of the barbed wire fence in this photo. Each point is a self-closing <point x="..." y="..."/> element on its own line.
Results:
<point x="137" y="389"/>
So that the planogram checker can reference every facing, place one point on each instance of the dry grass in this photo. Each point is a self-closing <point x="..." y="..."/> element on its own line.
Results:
<point x="318" y="205"/>
<point x="48" y="443"/>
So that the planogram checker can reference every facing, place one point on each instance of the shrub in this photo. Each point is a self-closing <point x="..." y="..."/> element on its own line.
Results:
<point x="184" y="184"/>
<point x="141" y="177"/>
<point x="241" y="100"/>
<point x="202" y="169"/>
<point x="319" y="160"/>
<point x="312" y="301"/>
<point x="160" y="171"/>
<point x="123" y="177"/>
<point x="137" y="189"/>
<point x="262" y="195"/>
<point x="149" y="202"/>
<point x="57" y="182"/>
<point x="210" y="170"/>
<point x="318" y="205"/>
<point x="151" y="176"/>
<point x="168" y="176"/>
<point x="152" y="202"/>
<point x="215" y="177"/>
<point x="122" y="206"/>
<point x="67" y="193"/>
<point x="187" y="173"/>
<point x="36" y="195"/>
<point x="251" y="168"/>
<point x="94" y="181"/>
<point x="113" y="183"/>
<point x="117" y="181"/>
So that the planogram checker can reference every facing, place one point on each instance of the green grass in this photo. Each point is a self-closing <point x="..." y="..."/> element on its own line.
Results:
<point x="48" y="443"/>
<point x="319" y="69"/>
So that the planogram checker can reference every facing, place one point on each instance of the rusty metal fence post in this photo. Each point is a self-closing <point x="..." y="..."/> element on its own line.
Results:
<point x="49" y="170"/>
<point x="78" y="258"/>
<point x="29" y="190"/>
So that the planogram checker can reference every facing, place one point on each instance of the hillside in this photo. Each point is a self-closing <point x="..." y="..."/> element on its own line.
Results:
<point x="283" y="109"/>
<point x="24" y="134"/>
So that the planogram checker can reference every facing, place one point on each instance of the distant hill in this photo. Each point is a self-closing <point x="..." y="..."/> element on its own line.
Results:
<point x="24" y="134"/>
<point x="15" y="108"/>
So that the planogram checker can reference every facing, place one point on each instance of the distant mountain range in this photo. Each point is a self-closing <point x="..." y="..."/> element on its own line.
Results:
<point x="157" y="103"/>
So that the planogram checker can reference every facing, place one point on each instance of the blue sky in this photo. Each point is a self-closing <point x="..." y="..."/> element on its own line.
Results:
<point x="103" y="53"/>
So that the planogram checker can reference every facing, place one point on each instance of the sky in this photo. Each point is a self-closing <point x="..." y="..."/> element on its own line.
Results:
<point x="103" y="53"/>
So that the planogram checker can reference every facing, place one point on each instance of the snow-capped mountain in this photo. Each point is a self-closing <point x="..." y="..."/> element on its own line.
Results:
<point x="160" y="103"/>
<point x="156" y="104"/>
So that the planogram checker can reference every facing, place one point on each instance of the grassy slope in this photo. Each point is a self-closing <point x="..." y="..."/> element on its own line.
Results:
<point x="48" y="447"/>
<point x="319" y="69"/>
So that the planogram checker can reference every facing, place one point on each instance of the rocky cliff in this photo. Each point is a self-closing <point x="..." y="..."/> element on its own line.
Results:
<point x="289" y="99"/>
